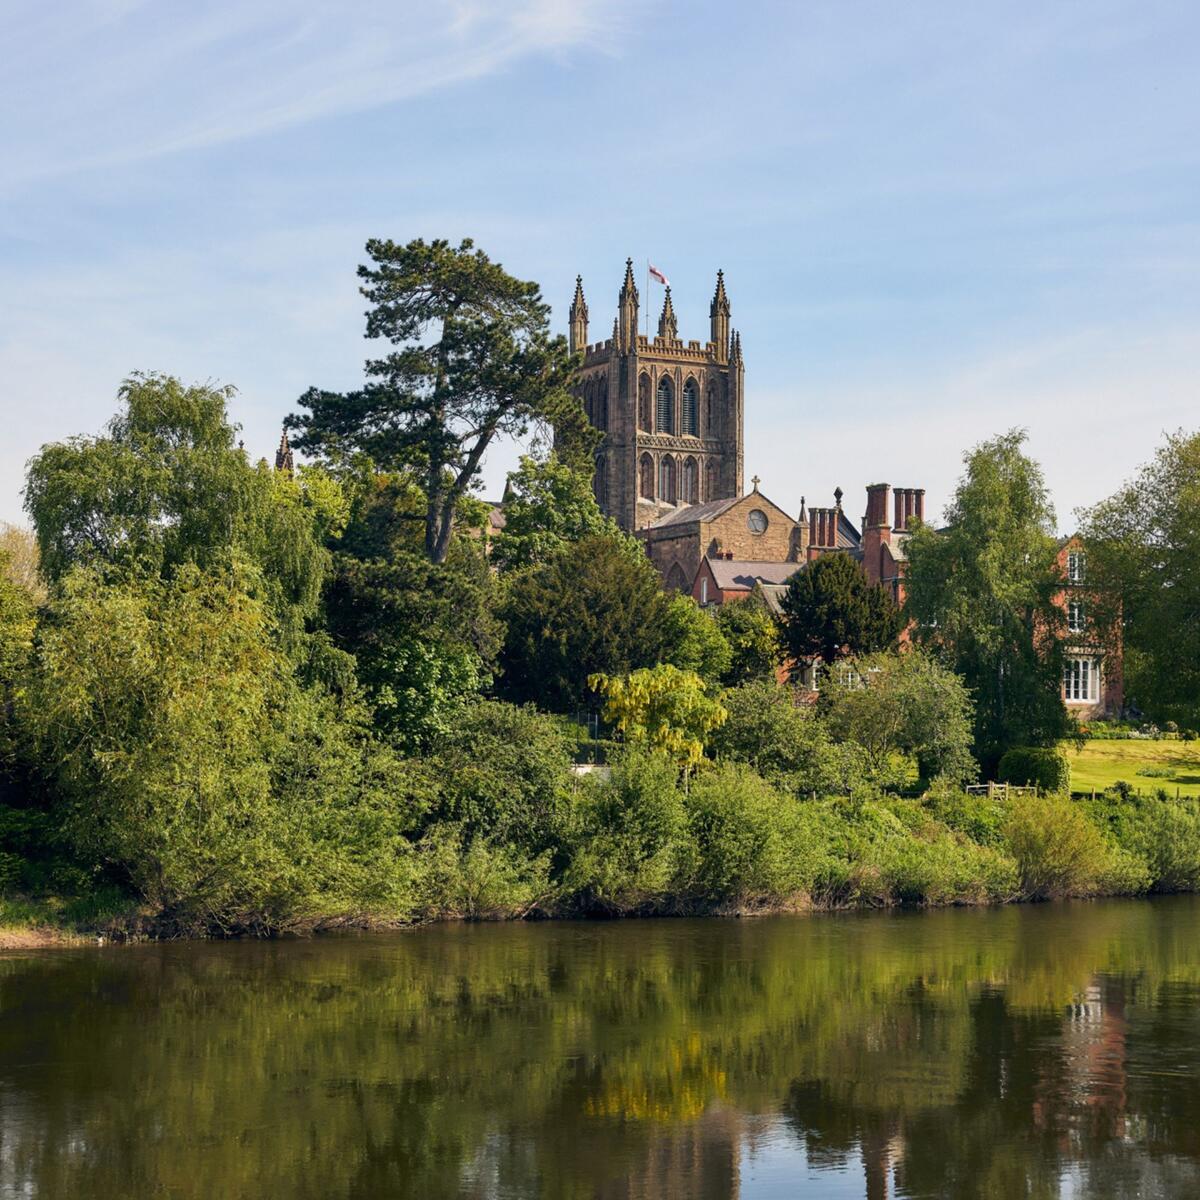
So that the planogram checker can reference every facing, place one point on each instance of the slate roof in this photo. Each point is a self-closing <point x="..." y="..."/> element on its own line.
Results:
<point x="735" y="573"/>
<point x="696" y="512"/>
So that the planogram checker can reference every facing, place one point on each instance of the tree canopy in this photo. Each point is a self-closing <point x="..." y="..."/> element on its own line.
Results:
<point x="471" y="358"/>
<point x="167" y="486"/>
<point x="983" y="594"/>
<point x="548" y="503"/>
<point x="1143" y="579"/>
<point x="830" y="610"/>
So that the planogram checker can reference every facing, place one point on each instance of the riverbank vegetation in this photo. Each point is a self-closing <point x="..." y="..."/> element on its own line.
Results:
<point x="243" y="700"/>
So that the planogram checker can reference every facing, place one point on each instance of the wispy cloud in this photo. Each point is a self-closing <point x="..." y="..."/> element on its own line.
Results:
<point x="107" y="82"/>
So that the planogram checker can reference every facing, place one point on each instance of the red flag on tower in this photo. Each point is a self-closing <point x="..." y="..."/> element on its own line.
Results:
<point x="657" y="274"/>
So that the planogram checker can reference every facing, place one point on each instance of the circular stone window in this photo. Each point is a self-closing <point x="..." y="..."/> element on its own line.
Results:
<point x="757" y="520"/>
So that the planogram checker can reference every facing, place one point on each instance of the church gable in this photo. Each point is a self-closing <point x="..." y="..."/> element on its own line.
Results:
<point x="752" y="528"/>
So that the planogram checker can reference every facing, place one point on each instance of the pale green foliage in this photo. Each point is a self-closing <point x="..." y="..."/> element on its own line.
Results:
<point x="1059" y="852"/>
<point x="630" y="844"/>
<point x="783" y="741"/>
<point x="168" y="486"/>
<point x="661" y="707"/>
<point x="755" y="650"/>
<point x="473" y="878"/>
<point x="903" y="703"/>
<point x="696" y="641"/>
<point x="18" y="548"/>
<point x="187" y="757"/>
<point x="751" y="844"/>
<point x="548" y="504"/>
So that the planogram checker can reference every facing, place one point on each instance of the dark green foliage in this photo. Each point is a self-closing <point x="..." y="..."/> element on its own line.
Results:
<point x="1163" y="832"/>
<point x="1143" y="580"/>
<point x="983" y="593"/>
<point x="1035" y="766"/>
<point x="753" y="637"/>
<point x="471" y="358"/>
<point x="423" y="634"/>
<point x="830" y="610"/>
<point x="503" y="773"/>
<point x="597" y="607"/>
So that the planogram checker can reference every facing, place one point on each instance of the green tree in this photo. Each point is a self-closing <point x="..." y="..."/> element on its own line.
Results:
<point x="1143" y="579"/>
<point x="830" y="609"/>
<point x="983" y="593"/>
<point x="785" y="742"/>
<point x="661" y="707"/>
<point x="168" y="486"/>
<point x="548" y="503"/>
<point x="423" y="634"/>
<point x="471" y="358"/>
<point x="597" y="607"/>
<point x="188" y="760"/>
<point x="753" y="637"/>
<point x="903" y="704"/>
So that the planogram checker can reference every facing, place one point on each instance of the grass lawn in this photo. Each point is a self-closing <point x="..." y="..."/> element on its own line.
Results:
<point x="1174" y="766"/>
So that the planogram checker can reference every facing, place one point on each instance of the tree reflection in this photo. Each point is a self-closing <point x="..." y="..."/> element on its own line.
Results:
<point x="958" y="1054"/>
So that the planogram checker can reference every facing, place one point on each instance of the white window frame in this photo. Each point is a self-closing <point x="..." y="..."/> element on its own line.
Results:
<point x="1076" y="616"/>
<point x="704" y="589"/>
<point x="1081" y="679"/>
<point x="1076" y="566"/>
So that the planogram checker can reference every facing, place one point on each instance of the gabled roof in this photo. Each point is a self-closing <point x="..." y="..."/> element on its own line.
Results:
<point x="734" y="573"/>
<point x="696" y="512"/>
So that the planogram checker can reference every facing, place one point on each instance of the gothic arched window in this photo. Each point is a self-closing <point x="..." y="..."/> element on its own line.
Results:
<point x="710" y="413"/>
<point x="600" y="405"/>
<point x="691" y="408"/>
<point x="666" y="479"/>
<point x="676" y="579"/>
<point x="665" y="411"/>
<point x="691" y="481"/>
<point x="600" y="482"/>
<point x="646" y="477"/>
<point x="710" y="480"/>
<point x="645" y="418"/>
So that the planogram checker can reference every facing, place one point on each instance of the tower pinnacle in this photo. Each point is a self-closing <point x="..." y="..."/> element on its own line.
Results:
<point x="668" y="327"/>
<point x="578" y="317"/>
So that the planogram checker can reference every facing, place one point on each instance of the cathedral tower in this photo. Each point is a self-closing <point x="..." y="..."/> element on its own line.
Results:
<point x="671" y="411"/>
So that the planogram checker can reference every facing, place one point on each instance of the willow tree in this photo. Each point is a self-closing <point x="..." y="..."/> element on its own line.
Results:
<point x="470" y="358"/>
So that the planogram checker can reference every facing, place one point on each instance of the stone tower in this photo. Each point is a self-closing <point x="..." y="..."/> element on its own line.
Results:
<point x="670" y="411"/>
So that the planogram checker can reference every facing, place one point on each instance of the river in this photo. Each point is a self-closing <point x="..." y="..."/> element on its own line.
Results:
<point x="1036" y="1051"/>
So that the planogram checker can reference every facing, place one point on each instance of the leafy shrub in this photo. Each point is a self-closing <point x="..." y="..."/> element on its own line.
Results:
<point x="504" y="773"/>
<point x="1164" y="833"/>
<point x="460" y="875"/>
<point x="889" y="850"/>
<point x="631" y="840"/>
<point x="1059" y="852"/>
<point x="1035" y="766"/>
<point x="787" y="744"/>
<point x="752" y="845"/>
<point x="978" y="817"/>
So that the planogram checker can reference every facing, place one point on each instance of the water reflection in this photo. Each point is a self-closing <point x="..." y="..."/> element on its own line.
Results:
<point x="1022" y="1052"/>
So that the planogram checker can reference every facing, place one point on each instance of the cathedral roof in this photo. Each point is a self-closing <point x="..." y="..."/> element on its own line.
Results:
<point x="697" y="512"/>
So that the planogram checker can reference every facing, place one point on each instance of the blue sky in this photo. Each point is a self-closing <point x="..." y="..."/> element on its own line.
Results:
<point x="936" y="220"/>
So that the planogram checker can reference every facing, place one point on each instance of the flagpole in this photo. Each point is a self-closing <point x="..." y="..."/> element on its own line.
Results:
<point x="647" y="299"/>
